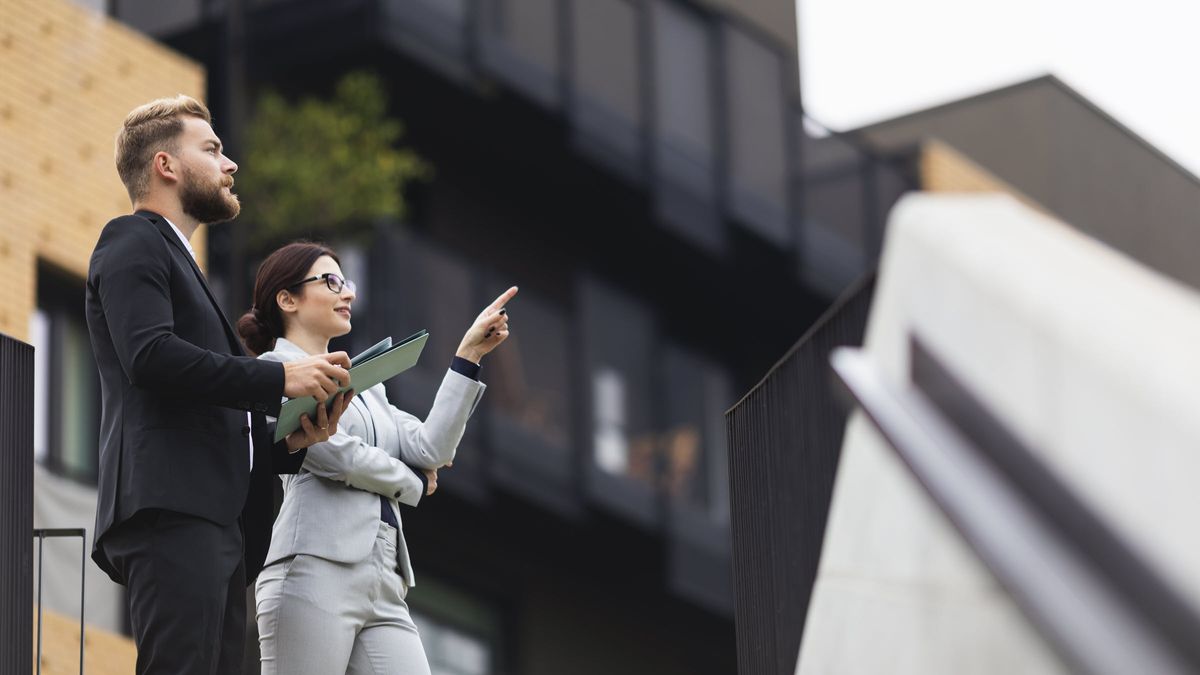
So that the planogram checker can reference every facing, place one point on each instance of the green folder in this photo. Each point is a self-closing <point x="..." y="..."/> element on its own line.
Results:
<point x="381" y="362"/>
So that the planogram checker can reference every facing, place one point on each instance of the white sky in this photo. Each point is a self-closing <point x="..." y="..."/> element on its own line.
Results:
<point x="866" y="60"/>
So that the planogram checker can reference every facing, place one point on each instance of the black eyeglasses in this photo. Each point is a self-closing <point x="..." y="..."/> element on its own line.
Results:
<point x="333" y="281"/>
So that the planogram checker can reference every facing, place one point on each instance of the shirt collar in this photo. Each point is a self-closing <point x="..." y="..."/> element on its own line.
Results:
<point x="284" y="346"/>
<point x="182" y="238"/>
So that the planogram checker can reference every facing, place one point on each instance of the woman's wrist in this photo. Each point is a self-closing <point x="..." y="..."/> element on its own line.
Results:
<point x="472" y="355"/>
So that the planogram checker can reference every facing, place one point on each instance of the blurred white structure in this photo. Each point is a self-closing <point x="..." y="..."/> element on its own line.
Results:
<point x="1090" y="359"/>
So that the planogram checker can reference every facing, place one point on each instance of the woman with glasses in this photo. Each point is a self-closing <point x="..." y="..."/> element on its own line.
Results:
<point x="331" y="598"/>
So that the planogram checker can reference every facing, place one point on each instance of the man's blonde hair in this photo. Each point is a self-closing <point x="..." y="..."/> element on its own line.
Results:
<point x="149" y="129"/>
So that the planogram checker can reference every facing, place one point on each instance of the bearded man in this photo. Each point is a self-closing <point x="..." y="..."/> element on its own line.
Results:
<point x="184" y="507"/>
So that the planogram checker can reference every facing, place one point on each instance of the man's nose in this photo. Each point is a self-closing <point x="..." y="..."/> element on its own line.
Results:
<point x="231" y="166"/>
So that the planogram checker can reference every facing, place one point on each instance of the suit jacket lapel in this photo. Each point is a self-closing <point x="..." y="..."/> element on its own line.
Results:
<point x="169" y="233"/>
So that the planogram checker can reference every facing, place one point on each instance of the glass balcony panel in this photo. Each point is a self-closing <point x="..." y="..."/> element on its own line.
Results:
<point x="684" y="112"/>
<point x="758" y="166"/>
<point x="521" y="44"/>
<point x="606" y="104"/>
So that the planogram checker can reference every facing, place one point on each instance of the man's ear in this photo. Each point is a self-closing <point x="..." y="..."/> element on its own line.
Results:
<point x="165" y="166"/>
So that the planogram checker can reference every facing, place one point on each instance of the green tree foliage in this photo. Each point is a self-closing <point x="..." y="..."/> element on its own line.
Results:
<point x="325" y="167"/>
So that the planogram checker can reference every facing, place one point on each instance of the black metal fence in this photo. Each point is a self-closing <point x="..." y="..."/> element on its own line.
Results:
<point x="785" y="438"/>
<point x="16" y="505"/>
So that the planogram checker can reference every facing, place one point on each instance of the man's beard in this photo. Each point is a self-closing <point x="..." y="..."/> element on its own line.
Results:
<point x="207" y="202"/>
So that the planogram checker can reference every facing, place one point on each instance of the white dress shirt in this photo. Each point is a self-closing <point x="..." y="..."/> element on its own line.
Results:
<point x="188" y="246"/>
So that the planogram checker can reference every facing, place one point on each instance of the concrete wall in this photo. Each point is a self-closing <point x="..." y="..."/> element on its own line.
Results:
<point x="1088" y="357"/>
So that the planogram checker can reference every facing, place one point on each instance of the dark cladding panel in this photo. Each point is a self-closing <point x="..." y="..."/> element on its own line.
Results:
<point x="785" y="440"/>
<point x="16" y="505"/>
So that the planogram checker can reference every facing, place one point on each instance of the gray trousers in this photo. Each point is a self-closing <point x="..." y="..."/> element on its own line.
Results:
<point x="322" y="617"/>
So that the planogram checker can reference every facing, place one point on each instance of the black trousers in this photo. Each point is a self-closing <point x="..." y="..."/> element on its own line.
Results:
<point x="187" y="582"/>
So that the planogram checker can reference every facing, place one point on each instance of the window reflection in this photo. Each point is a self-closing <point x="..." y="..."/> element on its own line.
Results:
<point x="610" y="441"/>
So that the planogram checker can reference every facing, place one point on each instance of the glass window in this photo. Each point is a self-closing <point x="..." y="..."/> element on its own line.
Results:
<point x="520" y="40"/>
<point x="529" y="403"/>
<point x="758" y="162"/>
<point x="696" y="393"/>
<point x="39" y="337"/>
<point x="530" y="383"/>
<point x="617" y="339"/>
<point x="429" y="289"/>
<point x="684" y="148"/>
<point x="416" y="286"/>
<point x="606" y="76"/>
<point x="69" y="418"/>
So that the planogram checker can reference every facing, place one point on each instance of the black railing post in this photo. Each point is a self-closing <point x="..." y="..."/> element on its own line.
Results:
<point x="16" y="504"/>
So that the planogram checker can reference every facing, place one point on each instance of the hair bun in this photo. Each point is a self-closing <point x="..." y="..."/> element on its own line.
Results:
<point x="255" y="332"/>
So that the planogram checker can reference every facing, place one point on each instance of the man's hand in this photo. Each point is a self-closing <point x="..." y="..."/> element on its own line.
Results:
<point x="488" y="331"/>
<point x="317" y="376"/>
<point x="431" y="476"/>
<point x="326" y="426"/>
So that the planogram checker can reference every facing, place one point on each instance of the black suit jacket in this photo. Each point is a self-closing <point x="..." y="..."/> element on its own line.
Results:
<point x="175" y="387"/>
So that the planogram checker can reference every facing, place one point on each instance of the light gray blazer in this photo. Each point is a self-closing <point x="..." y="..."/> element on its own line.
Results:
<point x="330" y="508"/>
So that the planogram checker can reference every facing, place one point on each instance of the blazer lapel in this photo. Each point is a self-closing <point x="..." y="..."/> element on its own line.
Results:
<point x="167" y="231"/>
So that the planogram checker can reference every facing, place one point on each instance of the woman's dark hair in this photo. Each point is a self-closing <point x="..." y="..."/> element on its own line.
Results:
<point x="285" y="268"/>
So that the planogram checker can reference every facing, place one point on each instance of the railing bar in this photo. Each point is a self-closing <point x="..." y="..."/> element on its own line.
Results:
<point x="82" y="588"/>
<point x="42" y="534"/>
<point x="41" y="539"/>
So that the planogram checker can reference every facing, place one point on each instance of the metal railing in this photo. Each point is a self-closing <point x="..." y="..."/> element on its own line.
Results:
<point x="41" y="535"/>
<point x="785" y="439"/>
